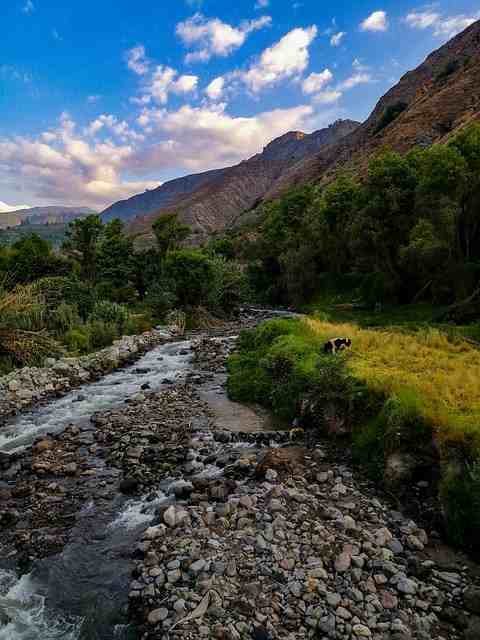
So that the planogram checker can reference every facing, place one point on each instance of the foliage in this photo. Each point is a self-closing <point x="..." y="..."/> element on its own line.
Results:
<point x="390" y="114"/>
<point x="110" y="313"/>
<point x="447" y="70"/>
<point x="169" y="233"/>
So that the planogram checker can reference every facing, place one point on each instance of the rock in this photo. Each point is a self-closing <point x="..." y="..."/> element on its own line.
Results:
<point x="158" y="615"/>
<point x="473" y="630"/>
<point x="406" y="586"/>
<point x="271" y="475"/>
<point x="169" y="516"/>
<point x="343" y="562"/>
<point x="471" y="598"/>
<point x="44" y="445"/>
<point x="399" y="468"/>
<point x="71" y="468"/>
<point x="361" y="631"/>
<point x="128" y="486"/>
<point x="181" y="488"/>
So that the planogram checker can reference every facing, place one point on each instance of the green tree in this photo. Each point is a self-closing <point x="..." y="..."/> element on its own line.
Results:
<point x="82" y="242"/>
<point x="115" y="263"/>
<point x="169" y="233"/>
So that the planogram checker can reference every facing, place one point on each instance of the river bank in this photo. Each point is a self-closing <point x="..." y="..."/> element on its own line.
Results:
<point x="150" y="513"/>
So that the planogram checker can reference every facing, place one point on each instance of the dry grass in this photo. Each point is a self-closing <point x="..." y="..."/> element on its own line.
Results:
<point x="23" y="338"/>
<point x="445" y="376"/>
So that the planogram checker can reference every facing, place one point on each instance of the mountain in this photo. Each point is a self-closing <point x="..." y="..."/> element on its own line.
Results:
<point x="211" y="201"/>
<point x="427" y="106"/>
<point x="42" y="216"/>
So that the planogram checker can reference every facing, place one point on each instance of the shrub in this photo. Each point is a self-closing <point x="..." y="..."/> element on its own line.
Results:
<point x="447" y="70"/>
<point x="460" y="493"/>
<point x="64" y="318"/>
<point x="101" y="334"/>
<point x="77" y="340"/>
<point x="161" y="299"/>
<point x="110" y="313"/>
<point x="390" y="114"/>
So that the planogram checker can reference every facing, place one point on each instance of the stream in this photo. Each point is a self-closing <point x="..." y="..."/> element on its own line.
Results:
<point x="81" y="593"/>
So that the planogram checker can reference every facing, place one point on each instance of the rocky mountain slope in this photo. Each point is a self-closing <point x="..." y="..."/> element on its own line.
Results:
<point x="212" y="200"/>
<point x="42" y="215"/>
<point x="432" y="102"/>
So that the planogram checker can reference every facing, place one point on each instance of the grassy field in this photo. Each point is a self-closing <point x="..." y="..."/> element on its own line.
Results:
<point x="443" y="374"/>
<point x="416" y="392"/>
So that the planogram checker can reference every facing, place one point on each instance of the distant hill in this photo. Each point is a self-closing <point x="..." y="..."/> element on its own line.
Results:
<point x="6" y="208"/>
<point x="42" y="216"/>
<point x="212" y="200"/>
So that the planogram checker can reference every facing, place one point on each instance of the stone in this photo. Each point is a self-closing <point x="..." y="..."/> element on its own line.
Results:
<point x="361" y="631"/>
<point x="271" y="475"/>
<point x="71" y="468"/>
<point x="157" y="615"/>
<point x="128" y="486"/>
<point x="169" y="516"/>
<point x="343" y="562"/>
<point x="471" y="598"/>
<point x="406" y="586"/>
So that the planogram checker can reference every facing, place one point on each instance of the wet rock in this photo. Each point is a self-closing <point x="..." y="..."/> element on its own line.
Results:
<point x="129" y="486"/>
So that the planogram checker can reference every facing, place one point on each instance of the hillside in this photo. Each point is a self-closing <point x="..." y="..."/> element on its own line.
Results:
<point x="211" y="201"/>
<point x="433" y="101"/>
<point x="42" y="216"/>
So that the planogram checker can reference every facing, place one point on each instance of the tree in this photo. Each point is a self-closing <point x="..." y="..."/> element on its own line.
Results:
<point x="32" y="258"/>
<point x="115" y="262"/>
<point x="169" y="233"/>
<point x="81" y="243"/>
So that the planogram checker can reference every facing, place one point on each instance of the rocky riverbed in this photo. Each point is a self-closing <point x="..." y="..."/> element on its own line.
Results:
<point x="182" y="528"/>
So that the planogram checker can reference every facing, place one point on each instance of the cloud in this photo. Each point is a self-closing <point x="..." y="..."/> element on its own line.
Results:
<point x="199" y="138"/>
<point x="60" y="166"/>
<point x="262" y="4"/>
<point x="215" y="89"/>
<point x="94" y="98"/>
<point x="337" y="38"/>
<point x="137" y="61"/>
<point x="377" y="21"/>
<point x="119" y="128"/>
<point x="444" y="27"/>
<point x="328" y="96"/>
<point x="355" y="80"/>
<point x="288" y="58"/>
<point x="164" y="81"/>
<point x="213" y="37"/>
<point x="56" y="35"/>
<point x="316" y="81"/>
<point x="28" y="7"/>
<point x="8" y="208"/>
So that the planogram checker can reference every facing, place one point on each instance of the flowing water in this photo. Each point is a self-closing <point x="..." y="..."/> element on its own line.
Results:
<point x="81" y="593"/>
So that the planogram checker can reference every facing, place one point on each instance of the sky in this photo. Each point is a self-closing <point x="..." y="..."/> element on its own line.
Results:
<point x="100" y="100"/>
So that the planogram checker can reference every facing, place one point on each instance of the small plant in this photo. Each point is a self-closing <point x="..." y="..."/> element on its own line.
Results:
<point x="110" y="313"/>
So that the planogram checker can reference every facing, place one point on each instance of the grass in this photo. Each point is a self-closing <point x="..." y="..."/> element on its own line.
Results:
<point x="443" y="374"/>
<point x="394" y="391"/>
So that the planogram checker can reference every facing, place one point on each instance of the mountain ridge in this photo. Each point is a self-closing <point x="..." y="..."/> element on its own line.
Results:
<point x="54" y="214"/>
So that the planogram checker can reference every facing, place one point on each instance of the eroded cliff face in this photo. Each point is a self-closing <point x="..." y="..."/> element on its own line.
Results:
<point x="437" y="98"/>
<point x="212" y="202"/>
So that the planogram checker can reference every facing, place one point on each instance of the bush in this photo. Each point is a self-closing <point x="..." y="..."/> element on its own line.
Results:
<point x="110" y="313"/>
<point x="101" y="334"/>
<point x="460" y="493"/>
<point x="390" y="114"/>
<point x="77" y="340"/>
<point x="161" y="299"/>
<point x="64" y="318"/>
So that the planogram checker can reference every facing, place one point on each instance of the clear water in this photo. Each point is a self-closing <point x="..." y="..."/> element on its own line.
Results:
<point x="165" y="362"/>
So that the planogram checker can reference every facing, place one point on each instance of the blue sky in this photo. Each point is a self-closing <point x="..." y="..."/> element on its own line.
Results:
<point x="100" y="100"/>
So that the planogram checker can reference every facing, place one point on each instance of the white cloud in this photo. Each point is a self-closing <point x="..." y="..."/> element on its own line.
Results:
<point x="316" y="81"/>
<point x="422" y="20"/>
<point x="213" y="37"/>
<point x="359" y="66"/>
<point x="262" y="4"/>
<point x="355" y="80"/>
<point x="443" y="27"/>
<point x="288" y="58"/>
<point x="7" y="208"/>
<point x="137" y="61"/>
<point x="94" y="98"/>
<point x="164" y="81"/>
<point x="328" y="96"/>
<point x="215" y="89"/>
<point x="199" y="138"/>
<point x="69" y="169"/>
<point x="28" y="7"/>
<point x="337" y="38"/>
<point x="119" y="128"/>
<point x="377" y="21"/>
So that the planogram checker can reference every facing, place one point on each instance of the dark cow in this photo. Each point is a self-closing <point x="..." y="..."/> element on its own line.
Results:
<point x="337" y="344"/>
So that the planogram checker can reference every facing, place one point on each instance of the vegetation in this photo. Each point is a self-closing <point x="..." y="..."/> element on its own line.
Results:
<point x="409" y="232"/>
<point x="98" y="287"/>
<point x="392" y="392"/>
<point x="390" y="114"/>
